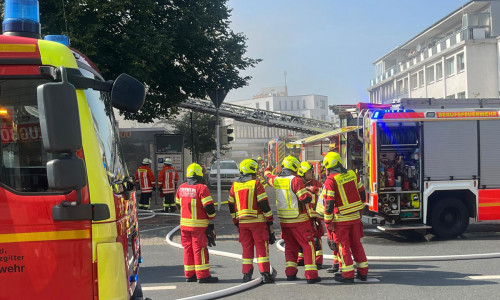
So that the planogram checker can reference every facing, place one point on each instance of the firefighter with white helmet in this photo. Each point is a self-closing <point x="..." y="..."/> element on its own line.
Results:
<point x="306" y="172"/>
<point x="344" y="194"/>
<point x="167" y="180"/>
<point x="251" y="213"/>
<point x="296" y="229"/>
<point x="197" y="208"/>
<point x="145" y="177"/>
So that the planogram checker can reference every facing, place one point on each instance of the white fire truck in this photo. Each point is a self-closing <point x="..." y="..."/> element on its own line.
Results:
<point x="431" y="164"/>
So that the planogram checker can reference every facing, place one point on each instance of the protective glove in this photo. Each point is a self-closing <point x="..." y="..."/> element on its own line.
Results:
<point x="332" y="245"/>
<point x="272" y="237"/>
<point x="211" y="235"/>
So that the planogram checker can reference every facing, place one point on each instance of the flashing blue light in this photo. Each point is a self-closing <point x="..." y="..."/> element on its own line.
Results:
<point x="61" y="39"/>
<point x="375" y="115"/>
<point x="22" y="18"/>
<point x="140" y="260"/>
<point x="134" y="278"/>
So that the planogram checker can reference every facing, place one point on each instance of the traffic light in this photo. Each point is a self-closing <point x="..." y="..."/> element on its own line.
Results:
<point x="224" y="132"/>
<point x="229" y="131"/>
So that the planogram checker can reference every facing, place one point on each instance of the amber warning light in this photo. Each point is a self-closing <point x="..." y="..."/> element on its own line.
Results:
<point x="3" y="112"/>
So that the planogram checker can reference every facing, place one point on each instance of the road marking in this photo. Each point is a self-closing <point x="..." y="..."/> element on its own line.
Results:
<point x="485" y="277"/>
<point x="159" y="288"/>
<point x="370" y="280"/>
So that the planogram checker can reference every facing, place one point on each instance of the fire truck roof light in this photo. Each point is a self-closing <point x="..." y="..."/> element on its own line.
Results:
<point x="22" y="18"/>
<point x="3" y="112"/>
<point x="58" y="38"/>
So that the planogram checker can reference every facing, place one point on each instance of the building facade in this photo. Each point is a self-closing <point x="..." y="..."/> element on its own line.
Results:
<point x="457" y="57"/>
<point x="251" y="140"/>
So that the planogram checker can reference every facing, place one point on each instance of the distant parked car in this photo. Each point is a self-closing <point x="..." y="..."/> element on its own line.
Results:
<point x="229" y="173"/>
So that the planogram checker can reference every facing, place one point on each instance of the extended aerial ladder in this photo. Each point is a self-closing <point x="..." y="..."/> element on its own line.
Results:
<point x="260" y="116"/>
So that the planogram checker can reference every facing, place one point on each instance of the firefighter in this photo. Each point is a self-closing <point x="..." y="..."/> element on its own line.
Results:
<point x="343" y="194"/>
<point x="260" y="172"/>
<point x="145" y="178"/>
<point x="306" y="172"/>
<point x="252" y="215"/>
<point x="197" y="208"/>
<point x="296" y="228"/>
<point x="167" y="181"/>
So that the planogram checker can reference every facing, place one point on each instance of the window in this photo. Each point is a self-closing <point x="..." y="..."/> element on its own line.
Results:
<point x="286" y="105"/>
<point x="461" y="95"/>
<point x="298" y="105"/>
<point x="439" y="71"/>
<point x="421" y="78"/>
<point x="322" y="103"/>
<point x="413" y="81"/>
<point x="452" y="96"/>
<point x="22" y="156"/>
<point x="304" y="103"/>
<point x="449" y="66"/>
<point x="460" y="62"/>
<point x="430" y="74"/>
<point x="267" y="105"/>
<point x="399" y="87"/>
<point x="279" y="105"/>
<point x="257" y="105"/>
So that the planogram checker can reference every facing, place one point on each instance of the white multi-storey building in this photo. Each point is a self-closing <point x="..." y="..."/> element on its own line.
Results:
<point x="457" y="57"/>
<point x="251" y="140"/>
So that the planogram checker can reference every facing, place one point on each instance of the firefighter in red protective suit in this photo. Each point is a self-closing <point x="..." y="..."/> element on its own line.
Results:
<point x="296" y="228"/>
<point x="251" y="213"/>
<point x="306" y="172"/>
<point x="146" y="179"/>
<point x="197" y="208"/>
<point x="343" y="194"/>
<point x="167" y="180"/>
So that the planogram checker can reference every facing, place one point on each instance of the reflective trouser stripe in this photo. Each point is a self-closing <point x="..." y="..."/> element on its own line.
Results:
<point x="347" y="268"/>
<point x="189" y="268"/>
<point x="291" y="264"/>
<point x="362" y="264"/>
<point x="247" y="261"/>
<point x="311" y="267"/>
<point x="262" y="259"/>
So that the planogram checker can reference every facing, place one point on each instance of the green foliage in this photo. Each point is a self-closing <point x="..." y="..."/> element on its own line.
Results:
<point x="178" y="48"/>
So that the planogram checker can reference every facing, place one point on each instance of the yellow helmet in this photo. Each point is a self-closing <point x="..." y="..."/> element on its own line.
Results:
<point x="331" y="160"/>
<point x="194" y="170"/>
<point x="259" y="158"/>
<point x="248" y="166"/>
<point x="291" y="163"/>
<point x="304" y="167"/>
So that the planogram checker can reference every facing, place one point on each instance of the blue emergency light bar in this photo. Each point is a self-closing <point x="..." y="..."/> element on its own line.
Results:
<point x="62" y="39"/>
<point x="379" y="114"/>
<point x="21" y="18"/>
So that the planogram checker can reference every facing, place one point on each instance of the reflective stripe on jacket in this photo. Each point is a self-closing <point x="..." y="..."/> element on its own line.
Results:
<point x="246" y="196"/>
<point x="192" y="200"/>
<point x="167" y="178"/>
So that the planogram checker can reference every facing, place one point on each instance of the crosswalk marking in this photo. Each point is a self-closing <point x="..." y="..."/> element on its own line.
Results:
<point x="159" y="288"/>
<point x="484" y="277"/>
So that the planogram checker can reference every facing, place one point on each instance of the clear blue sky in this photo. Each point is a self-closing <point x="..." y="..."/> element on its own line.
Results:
<point x="327" y="47"/>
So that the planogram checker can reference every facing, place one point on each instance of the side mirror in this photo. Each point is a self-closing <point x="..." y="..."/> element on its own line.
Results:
<point x="59" y="116"/>
<point x="128" y="93"/>
<point x="66" y="174"/>
<point x="209" y="168"/>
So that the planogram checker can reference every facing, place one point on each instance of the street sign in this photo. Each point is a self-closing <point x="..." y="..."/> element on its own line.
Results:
<point x="217" y="96"/>
<point x="170" y="146"/>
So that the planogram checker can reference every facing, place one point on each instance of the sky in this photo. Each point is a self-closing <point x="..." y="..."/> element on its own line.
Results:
<point x="326" y="47"/>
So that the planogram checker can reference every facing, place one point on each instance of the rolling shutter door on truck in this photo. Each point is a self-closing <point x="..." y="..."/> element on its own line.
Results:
<point x="450" y="149"/>
<point x="490" y="159"/>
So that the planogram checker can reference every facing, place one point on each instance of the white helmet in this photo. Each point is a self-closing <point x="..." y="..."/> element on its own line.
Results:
<point x="146" y="161"/>
<point x="167" y="161"/>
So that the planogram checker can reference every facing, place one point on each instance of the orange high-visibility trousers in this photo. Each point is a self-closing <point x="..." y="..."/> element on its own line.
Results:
<point x="194" y="240"/>
<point x="349" y="239"/>
<point x="254" y="235"/>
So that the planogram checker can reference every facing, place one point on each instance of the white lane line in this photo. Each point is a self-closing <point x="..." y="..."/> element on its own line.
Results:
<point x="159" y="288"/>
<point x="329" y="281"/>
<point x="482" y="277"/>
<point x="151" y="229"/>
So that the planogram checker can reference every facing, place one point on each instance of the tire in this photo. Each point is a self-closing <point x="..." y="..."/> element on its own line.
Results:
<point x="449" y="218"/>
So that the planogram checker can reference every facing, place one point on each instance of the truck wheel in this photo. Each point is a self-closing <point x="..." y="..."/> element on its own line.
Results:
<point x="449" y="218"/>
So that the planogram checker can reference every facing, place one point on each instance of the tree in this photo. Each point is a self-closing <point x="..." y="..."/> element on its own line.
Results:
<point x="178" y="48"/>
<point x="203" y="132"/>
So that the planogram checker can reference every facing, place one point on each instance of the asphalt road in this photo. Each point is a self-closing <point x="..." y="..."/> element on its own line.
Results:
<point x="162" y="275"/>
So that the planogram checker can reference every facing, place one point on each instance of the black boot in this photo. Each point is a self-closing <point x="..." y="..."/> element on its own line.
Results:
<point x="361" y="277"/>
<point x="267" y="277"/>
<point x="191" y="279"/>
<point x="165" y="209"/>
<point x="173" y="209"/>
<point x="209" y="279"/>
<point x="292" y="277"/>
<point x="338" y="277"/>
<point x="247" y="276"/>
<point x="319" y="266"/>
<point x="314" y="280"/>
<point x="300" y="263"/>
<point x="333" y="269"/>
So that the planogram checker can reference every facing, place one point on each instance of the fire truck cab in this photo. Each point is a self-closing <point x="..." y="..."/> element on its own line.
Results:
<point x="432" y="164"/>
<point x="68" y="221"/>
